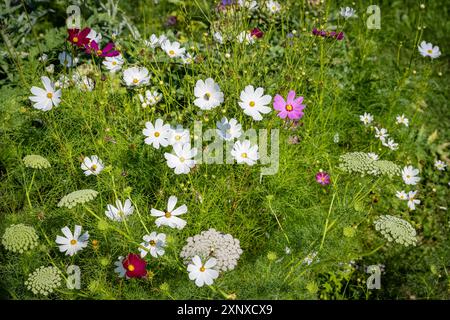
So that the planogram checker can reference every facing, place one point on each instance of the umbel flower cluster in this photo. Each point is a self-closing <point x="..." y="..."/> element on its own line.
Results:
<point x="44" y="280"/>
<point x="36" y="162"/>
<point x="362" y="163"/>
<point x="77" y="197"/>
<point x="212" y="243"/>
<point x="19" y="238"/>
<point x="396" y="229"/>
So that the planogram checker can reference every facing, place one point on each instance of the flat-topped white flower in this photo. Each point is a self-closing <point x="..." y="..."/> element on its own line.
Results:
<point x="120" y="211"/>
<point x="381" y="133"/>
<point x="182" y="161"/>
<point x="273" y="6"/>
<point x="245" y="37"/>
<point x="244" y="152"/>
<point x="94" y="36"/>
<point x="154" y="244"/>
<point x="173" y="49"/>
<point x="150" y="99"/>
<point x="372" y="156"/>
<point x="254" y="102"/>
<point x="208" y="94"/>
<point x="179" y="135"/>
<point x="72" y="243"/>
<point x="170" y="217"/>
<point x="390" y="144"/>
<point x="157" y="134"/>
<point x="202" y="273"/>
<point x="348" y="12"/>
<point x="401" y="195"/>
<point x="45" y="99"/>
<point x="66" y="59"/>
<point x="92" y="165"/>
<point x="136" y="76"/>
<point x="229" y="130"/>
<point x="366" y="118"/>
<point x="427" y="50"/>
<point x="402" y="120"/>
<point x="412" y="201"/>
<point x="249" y="4"/>
<point x="440" y="165"/>
<point x="218" y="37"/>
<point x="152" y="42"/>
<point x="409" y="175"/>
<point x="113" y="64"/>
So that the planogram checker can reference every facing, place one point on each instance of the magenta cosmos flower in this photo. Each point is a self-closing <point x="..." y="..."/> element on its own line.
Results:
<point x="291" y="108"/>
<point x="107" y="51"/>
<point x="323" y="178"/>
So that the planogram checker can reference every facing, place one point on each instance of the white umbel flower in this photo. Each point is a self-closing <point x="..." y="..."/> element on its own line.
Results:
<point x="120" y="211"/>
<point x="92" y="165"/>
<point x="427" y="50"/>
<point x="202" y="273"/>
<point x="348" y="12"/>
<point x="366" y="118"/>
<point x="170" y="217"/>
<point x="373" y="156"/>
<point x="45" y="99"/>
<point x="72" y="243"/>
<point x="157" y="134"/>
<point x="136" y="76"/>
<point x="208" y="94"/>
<point x="254" y="102"/>
<point x="409" y="175"/>
<point x="229" y="130"/>
<point x="402" y="120"/>
<point x="113" y="64"/>
<point x="173" y="49"/>
<point x="244" y="152"/>
<point x="440" y="165"/>
<point x="182" y="161"/>
<point x="154" y="244"/>
<point x="249" y="4"/>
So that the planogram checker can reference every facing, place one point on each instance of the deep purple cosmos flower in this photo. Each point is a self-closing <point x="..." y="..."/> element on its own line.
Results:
<point x="328" y="34"/>
<point x="292" y="107"/>
<point x="107" y="51"/>
<point x="77" y="37"/>
<point x="323" y="178"/>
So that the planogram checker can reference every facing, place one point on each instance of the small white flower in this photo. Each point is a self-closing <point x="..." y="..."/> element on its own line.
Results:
<point x="120" y="211"/>
<point x="440" y="165"/>
<point x="273" y="6"/>
<point x="173" y="49"/>
<point x="136" y="76"/>
<point x="336" y="137"/>
<point x="50" y="69"/>
<point x="229" y="130"/>
<point x="157" y="134"/>
<point x="66" y="59"/>
<point x="218" y="37"/>
<point x="153" y="42"/>
<point x="45" y="99"/>
<point x="119" y="269"/>
<point x="381" y="133"/>
<point x="208" y="94"/>
<point x="409" y="175"/>
<point x="427" y="50"/>
<point x="390" y="144"/>
<point x="187" y="58"/>
<point x="310" y="258"/>
<point x="402" y="120"/>
<point x="83" y="83"/>
<point x="92" y="165"/>
<point x="366" y="118"/>
<point x="244" y="152"/>
<point x="412" y="201"/>
<point x="348" y="12"/>
<point x="179" y="135"/>
<point x="254" y="102"/>
<point x="113" y="64"/>
<point x="245" y="36"/>
<point x="150" y="99"/>
<point x="249" y="4"/>
<point x="182" y="161"/>
<point x="154" y="244"/>
<point x="373" y="156"/>
<point x="287" y="250"/>
<point x="202" y="273"/>
<point x="43" y="58"/>
<point x="72" y="243"/>
<point x="94" y="36"/>
<point x="169" y="217"/>
<point x="401" y="195"/>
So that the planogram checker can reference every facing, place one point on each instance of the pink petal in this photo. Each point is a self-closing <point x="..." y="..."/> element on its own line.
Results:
<point x="279" y="103"/>
<point x="291" y="97"/>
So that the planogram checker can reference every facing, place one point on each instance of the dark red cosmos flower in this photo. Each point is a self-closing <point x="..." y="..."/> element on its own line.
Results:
<point x="79" y="38"/>
<point x="106" y="52"/>
<point x="135" y="266"/>
<point x="256" y="33"/>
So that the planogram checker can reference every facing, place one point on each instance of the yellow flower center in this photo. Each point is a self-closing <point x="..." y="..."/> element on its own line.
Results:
<point x="114" y="63"/>
<point x="274" y="8"/>
<point x="131" y="267"/>
<point x="167" y="214"/>
<point x="75" y="39"/>
<point x="182" y="159"/>
<point x="94" y="167"/>
<point x="171" y="52"/>
<point x="202" y="269"/>
<point x="66" y="62"/>
<point x="289" y="107"/>
<point x="430" y="51"/>
<point x="73" y="242"/>
<point x="252" y="104"/>
<point x="244" y="155"/>
<point x="157" y="134"/>
<point x="99" y="52"/>
<point x="207" y="96"/>
<point x="178" y="138"/>
<point x="152" y="243"/>
<point x="408" y="176"/>
<point x="49" y="95"/>
<point x="135" y="80"/>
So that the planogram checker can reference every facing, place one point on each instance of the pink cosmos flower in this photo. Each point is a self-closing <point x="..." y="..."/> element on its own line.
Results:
<point x="291" y="108"/>
<point x="107" y="51"/>
<point x="323" y="178"/>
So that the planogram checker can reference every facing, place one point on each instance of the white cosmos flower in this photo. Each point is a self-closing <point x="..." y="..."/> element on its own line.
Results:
<point x="254" y="102"/>
<point x="154" y="244"/>
<point x="157" y="134"/>
<point x="348" y="12"/>
<point x="136" y="76"/>
<point x="409" y="175"/>
<point x="273" y="6"/>
<point x="119" y="269"/>
<point x="50" y="68"/>
<point x="150" y="99"/>
<point x="427" y="50"/>
<point x="412" y="201"/>
<point x="390" y="144"/>
<point x="244" y="152"/>
<point x="113" y="64"/>
<point x="66" y="59"/>
<point x="45" y="99"/>
<point x="94" y="36"/>
<point x="245" y="36"/>
<point x="208" y="94"/>
<point x="402" y="120"/>
<point x="187" y="58"/>
<point x="162" y="38"/>
<point x="72" y="243"/>
<point x="170" y="217"/>
<point x="401" y="195"/>
<point x="366" y="118"/>
<point x="373" y="156"/>
<point x="218" y="37"/>
<point x="173" y="49"/>
<point x="202" y="273"/>
<point x="179" y="135"/>
<point x="440" y="165"/>
<point x="120" y="211"/>
<point x="92" y="165"/>
<point x="153" y="41"/>
<point x="229" y="130"/>
<point x="182" y="161"/>
<point x="249" y="4"/>
<point x="381" y="133"/>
